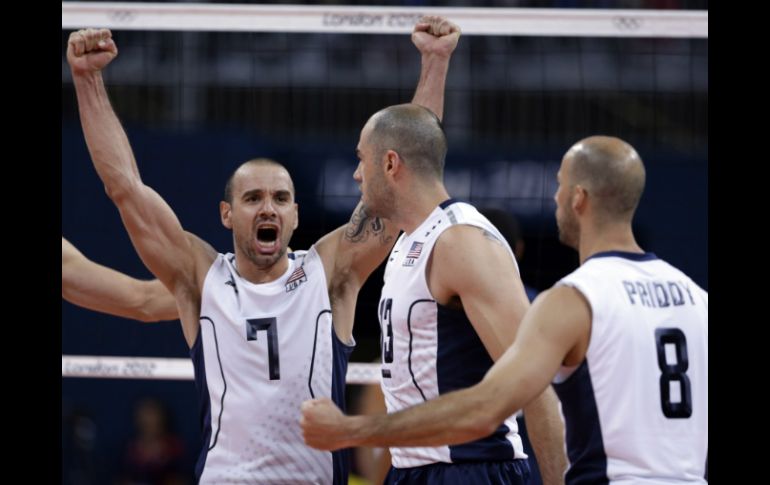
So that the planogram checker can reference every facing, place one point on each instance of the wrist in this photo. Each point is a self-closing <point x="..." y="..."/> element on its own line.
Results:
<point x="86" y="76"/>
<point x="357" y="428"/>
<point x="436" y="57"/>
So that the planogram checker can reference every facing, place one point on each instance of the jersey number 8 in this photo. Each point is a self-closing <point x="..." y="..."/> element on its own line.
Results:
<point x="676" y="372"/>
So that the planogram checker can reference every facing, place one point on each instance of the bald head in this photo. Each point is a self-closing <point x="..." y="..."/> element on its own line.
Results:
<point x="415" y="133"/>
<point x="611" y="171"/>
<point x="255" y="162"/>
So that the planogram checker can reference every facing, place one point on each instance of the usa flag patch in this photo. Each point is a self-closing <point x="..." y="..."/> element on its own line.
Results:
<point x="415" y="251"/>
<point x="297" y="278"/>
<point x="413" y="254"/>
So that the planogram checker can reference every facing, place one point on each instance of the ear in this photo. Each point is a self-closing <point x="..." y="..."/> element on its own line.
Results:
<point x="579" y="199"/>
<point x="392" y="163"/>
<point x="225" y="212"/>
<point x="296" y="216"/>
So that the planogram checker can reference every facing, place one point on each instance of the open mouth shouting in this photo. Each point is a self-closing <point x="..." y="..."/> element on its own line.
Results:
<point x="267" y="238"/>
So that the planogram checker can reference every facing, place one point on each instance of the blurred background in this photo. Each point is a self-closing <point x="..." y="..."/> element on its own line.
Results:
<point x="197" y="104"/>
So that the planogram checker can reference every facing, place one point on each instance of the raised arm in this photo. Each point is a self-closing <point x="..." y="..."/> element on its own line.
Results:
<point x="554" y="330"/>
<point x="164" y="247"/>
<point x="436" y="39"/>
<point x="352" y="252"/>
<point x="102" y="289"/>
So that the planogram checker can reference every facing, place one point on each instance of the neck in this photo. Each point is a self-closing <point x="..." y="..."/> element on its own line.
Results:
<point x="613" y="237"/>
<point x="416" y="205"/>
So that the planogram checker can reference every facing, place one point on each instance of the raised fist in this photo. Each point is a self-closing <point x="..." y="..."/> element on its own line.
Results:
<point x="435" y="35"/>
<point x="90" y="50"/>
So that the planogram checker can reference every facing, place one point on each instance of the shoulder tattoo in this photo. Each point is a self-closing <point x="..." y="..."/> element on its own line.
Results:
<point x="491" y="237"/>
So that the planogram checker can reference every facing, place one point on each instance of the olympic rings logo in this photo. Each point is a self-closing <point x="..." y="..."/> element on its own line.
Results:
<point x="627" y="23"/>
<point x="122" y="16"/>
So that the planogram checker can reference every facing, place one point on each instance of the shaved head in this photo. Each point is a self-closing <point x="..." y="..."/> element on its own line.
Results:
<point x="415" y="133"/>
<point x="611" y="171"/>
<point x="253" y="162"/>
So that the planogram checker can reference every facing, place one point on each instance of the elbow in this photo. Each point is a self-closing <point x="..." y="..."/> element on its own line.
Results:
<point x="485" y="426"/>
<point x="143" y="308"/>
<point x="116" y="192"/>
<point x="149" y="310"/>
<point x="473" y="428"/>
<point x="142" y="311"/>
<point x="121" y="188"/>
<point x="157" y="314"/>
<point x="478" y="423"/>
<point x="145" y="316"/>
<point x="490" y="410"/>
<point x="157" y="304"/>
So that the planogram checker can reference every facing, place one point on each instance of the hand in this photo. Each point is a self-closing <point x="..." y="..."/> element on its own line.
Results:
<point x="435" y="35"/>
<point x="322" y="424"/>
<point x="90" y="50"/>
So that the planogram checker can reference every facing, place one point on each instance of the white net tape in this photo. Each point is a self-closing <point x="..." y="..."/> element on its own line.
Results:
<point x="347" y="19"/>
<point x="170" y="369"/>
<point x="383" y="20"/>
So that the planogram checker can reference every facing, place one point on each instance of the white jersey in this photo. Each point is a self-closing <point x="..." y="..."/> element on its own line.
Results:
<point x="636" y="409"/>
<point x="262" y="350"/>
<point x="430" y="349"/>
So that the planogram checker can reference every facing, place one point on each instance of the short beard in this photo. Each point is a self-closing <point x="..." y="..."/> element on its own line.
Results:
<point x="386" y="205"/>
<point x="568" y="235"/>
<point x="260" y="261"/>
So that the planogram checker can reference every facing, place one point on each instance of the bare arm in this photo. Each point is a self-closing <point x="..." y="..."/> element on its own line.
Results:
<point x="557" y="325"/>
<point x="102" y="289"/>
<point x="352" y="252"/>
<point x="546" y="433"/>
<point x="164" y="247"/>
<point x="469" y="267"/>
<point x="436" y="39"/>
<point x="474" y="265"/>
<point x="374" y="462"/>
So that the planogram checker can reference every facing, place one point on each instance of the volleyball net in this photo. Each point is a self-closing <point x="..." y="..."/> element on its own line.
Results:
<point x="524" y="84"/>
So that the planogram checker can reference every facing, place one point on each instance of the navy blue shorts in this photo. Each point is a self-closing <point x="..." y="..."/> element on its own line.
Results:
<point x="478" y="473"/>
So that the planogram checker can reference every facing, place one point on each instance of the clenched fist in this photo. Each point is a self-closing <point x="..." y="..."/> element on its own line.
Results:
<point x="90" y="50"/>
<point x="435" y="35"/>
<point x="322" y="424"/>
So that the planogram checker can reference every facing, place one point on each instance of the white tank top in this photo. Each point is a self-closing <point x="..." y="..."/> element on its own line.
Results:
<point x="429" y="349"/>
<point x="636" y="409"/>
<point x="262" y="350"/>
